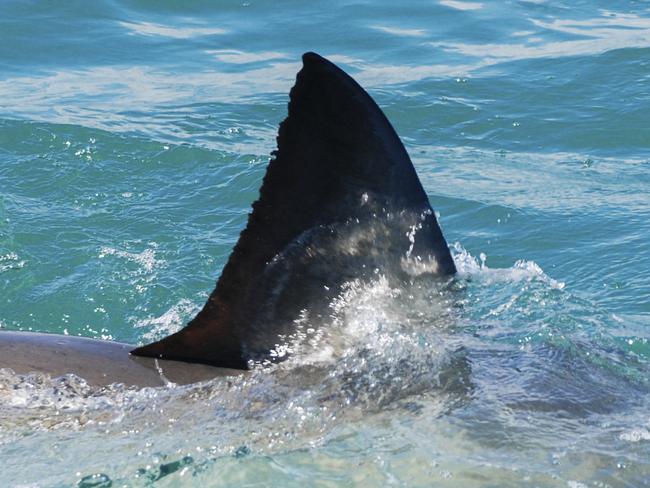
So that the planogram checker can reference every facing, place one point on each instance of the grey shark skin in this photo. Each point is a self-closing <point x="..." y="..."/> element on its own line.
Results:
<point x="340" y="201"/>
<point x="99" y="363"/>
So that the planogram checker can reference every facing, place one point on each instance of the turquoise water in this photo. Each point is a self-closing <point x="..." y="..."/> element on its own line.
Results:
<point x="133" y="139"/>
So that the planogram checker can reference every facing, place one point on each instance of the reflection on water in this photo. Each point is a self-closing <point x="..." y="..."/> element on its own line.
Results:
<point x="174" y="32"/>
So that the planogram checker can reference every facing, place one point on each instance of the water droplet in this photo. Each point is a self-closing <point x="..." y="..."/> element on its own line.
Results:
<point x="99" y="480"/>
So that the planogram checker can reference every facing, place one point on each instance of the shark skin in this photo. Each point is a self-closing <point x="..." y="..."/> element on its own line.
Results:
<point x="99" y="363"/>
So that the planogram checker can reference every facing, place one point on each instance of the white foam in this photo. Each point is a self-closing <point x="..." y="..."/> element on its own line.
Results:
<point x="458" y="5"/>
<point x="169" y="322"/>
<point x="146" y="259"/>
<point x="522" y="270"/>
<point x="10" y="261"/>
<point x="188" y="32"/>
<point x="636" y="435"/>
<point x="576" y="484"/>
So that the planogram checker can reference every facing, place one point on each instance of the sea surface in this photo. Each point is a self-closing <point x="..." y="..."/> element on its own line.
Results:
<point x="133" y="139"/>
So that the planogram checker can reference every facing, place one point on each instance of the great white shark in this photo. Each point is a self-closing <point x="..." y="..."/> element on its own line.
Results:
<point x="340" y="201"/>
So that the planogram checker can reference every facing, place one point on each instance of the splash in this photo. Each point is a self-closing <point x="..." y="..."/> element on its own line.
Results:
<point x="375" y="352"/>
<point x="389" y="349"/>
<point x="10" y="261"/>
<point x="469" y="266"/>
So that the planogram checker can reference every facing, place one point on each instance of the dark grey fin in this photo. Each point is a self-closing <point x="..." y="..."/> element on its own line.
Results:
<point x="334" y="148"/>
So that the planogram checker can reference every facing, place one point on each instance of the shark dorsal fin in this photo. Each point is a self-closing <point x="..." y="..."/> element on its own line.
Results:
<point x="335" y="148"/>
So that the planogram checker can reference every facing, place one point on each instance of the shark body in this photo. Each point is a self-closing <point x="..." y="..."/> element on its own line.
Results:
<point x="340" y="201"/>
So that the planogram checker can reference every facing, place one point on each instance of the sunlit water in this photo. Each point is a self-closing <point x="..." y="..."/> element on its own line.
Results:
<point x="133" y="139"/>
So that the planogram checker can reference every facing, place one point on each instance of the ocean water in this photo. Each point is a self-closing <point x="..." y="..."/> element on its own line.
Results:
<point x="133" y="139"/>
